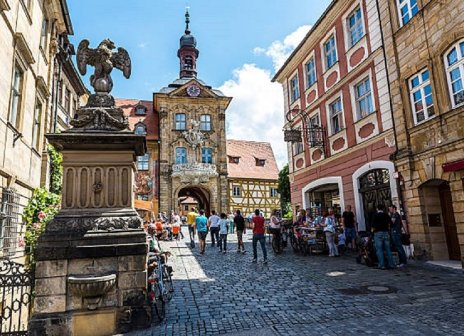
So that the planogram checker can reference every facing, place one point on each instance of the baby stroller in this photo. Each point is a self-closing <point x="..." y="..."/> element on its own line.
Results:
<point x="365" y="243"/>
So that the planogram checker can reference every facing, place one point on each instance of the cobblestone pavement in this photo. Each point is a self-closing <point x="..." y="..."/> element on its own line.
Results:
<point x="227" y="294"/>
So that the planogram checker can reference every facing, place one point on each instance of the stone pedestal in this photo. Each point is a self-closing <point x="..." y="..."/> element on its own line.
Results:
<point x="91" y="261"/>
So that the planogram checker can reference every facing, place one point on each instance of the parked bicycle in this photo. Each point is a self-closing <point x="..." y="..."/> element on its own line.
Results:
<point x="160" y="283"/>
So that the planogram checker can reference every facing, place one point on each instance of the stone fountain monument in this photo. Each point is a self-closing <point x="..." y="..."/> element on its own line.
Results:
<point x="91" y="260"/>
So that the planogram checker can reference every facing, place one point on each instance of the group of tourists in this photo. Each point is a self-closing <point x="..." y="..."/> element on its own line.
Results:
<point x="387" y="229"/>
<point x="219" y="227"/>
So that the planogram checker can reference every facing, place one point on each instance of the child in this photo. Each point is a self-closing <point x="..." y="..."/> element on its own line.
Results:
<point x="341" y="242"/>
<point x="223" y="230"/>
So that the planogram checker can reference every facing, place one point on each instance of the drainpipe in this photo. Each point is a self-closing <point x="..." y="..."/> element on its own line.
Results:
<point x="398" y="185"/>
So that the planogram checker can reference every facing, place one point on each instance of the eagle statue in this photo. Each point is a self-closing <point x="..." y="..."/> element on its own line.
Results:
<point x="104" y="60"/>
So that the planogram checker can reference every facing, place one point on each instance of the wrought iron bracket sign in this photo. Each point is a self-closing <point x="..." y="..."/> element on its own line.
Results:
<point x="292" y="135"/>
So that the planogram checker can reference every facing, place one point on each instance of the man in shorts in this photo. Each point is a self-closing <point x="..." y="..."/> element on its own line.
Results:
<point x="201" y="223"/>
<point x="191" y="216"/>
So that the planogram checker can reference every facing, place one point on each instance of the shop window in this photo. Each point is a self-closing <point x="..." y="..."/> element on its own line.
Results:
<point x="310" y="68"/>
<point x="181" y="155"/>
<point x="294" y="89"/>
<point x="181" y="121"/>
<point x="406" y="10"/>
<point x="421" y="97"/>
<point x="16" y="97"/>
<point x="207" y="155"/>
<point x="336" y="116"/>
<point x="355" y="26"/>
<point x="330" y="52"/>
<point x="364" y="104"/>
<point x="205" y="122"/>
<point x="142" y="162"/>
<point x="454" y="64"/>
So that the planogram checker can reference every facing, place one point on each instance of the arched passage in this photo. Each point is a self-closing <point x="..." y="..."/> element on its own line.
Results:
<point x="201" y="195"/>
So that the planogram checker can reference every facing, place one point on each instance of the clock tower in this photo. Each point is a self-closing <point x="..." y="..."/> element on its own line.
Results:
<point x="188" y="52"/>
<point x="192" y="133"/>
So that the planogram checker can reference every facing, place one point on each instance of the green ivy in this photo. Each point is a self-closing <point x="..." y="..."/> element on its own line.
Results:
<point x="56" y="170"/>
<point x="40" y="210"/>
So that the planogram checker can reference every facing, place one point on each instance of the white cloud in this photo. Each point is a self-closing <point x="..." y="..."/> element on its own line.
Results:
<point x="279" y="51"/>
<point x="142" y="45"/>
<point x="256" y="111"/>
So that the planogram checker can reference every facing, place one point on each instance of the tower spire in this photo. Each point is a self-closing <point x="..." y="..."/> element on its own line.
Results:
<point x="187" y="21"/>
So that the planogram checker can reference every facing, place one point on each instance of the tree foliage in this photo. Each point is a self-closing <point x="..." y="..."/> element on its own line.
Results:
<point x="56" y="170"/>
<point x="284" y="191"/>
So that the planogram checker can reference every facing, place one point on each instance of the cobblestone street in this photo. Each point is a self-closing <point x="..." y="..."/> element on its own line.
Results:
<point x="218" y="294"/>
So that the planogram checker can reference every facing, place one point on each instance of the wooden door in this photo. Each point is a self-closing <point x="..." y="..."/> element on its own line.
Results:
<point x="449" y="222"/>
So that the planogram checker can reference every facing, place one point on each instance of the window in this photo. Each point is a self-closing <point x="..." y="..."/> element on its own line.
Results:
<point x="142" y="162"/>
<point x="330" y="52"/>
<point x="407" y="9"/>
<point x="140" y="110"/>
<point x="43" y="34"/>
<point x="60" y="93"/>
<point x="310" y="73"/>
<point x="186" y="207"/>
<point x="355" y="26"/>
<point x="234" y="159"/>
<point x="336" y="117"/>
<point x="181" y="123"/>
<point x="181" y="155"/>
<point x="260" y="162"/>
<point x="298" y="146"/>
<point x="314" y="136"/>
<point x="454" y="63"/>
<point x="67" y="100"/>
<point x="294" y="89"/>
<point x="363" y="95"/>
<point x="36" y="125"/>
<point x="207" y="155"/>
<point x="205" y="122"/>
<point x="188" y="64"/>
<point x="236" y="191"/>
<point x="142" y="197"/>
<point x="421" y="97"/>
<point x="16" y="95"/>
<point x="140" y="129"/>
<point x="274" y="192"/>
<point x="75" y="106"/>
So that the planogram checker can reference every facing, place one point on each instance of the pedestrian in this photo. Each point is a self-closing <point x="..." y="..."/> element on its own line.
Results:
<point x="239" y="222"/>
<point x="348" y="222"/>
<point x="176" y="226"/>
<point x="223" y="230"/>
<point x="381" y="224"/>
<point x="258" y="235"/>
<point x="275" y="229"/>
<point x="231" y="222"/>
<point x="201" y="223"/>
<point x="213" y="225"/>
<point x="191" y="216"/>
<point x="329" y="230"/>
<point x="396" y="231"/>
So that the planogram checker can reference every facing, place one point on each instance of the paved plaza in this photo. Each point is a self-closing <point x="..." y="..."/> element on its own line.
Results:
<point x="219" y="294"/>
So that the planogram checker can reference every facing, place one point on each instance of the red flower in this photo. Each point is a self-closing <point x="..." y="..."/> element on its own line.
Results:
<point x="41" y="215"/>
<point x="21" y="242"/>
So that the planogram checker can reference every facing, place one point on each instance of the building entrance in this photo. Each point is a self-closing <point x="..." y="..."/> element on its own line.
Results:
<point x="324" y="197"/>
<point x="375" y="190"/>
<point x="197" y="195"/>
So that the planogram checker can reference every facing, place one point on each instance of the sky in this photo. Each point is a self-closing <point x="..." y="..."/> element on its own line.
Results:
<point x="242" y="44"/>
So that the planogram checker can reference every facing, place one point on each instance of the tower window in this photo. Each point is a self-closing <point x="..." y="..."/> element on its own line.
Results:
<point x="188" y="62"/>
<point x="207" y="155"/>
<point x="205" y="122"/>
<point x="181" y="123"/>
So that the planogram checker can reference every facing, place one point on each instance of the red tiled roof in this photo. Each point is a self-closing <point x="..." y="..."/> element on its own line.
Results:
<point x="248" y="152"/>
<point x="151" y="119"/>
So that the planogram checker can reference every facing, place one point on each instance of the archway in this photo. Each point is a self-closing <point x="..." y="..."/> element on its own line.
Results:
<point x="435" y="196"/>
<point x="198" y="194"/>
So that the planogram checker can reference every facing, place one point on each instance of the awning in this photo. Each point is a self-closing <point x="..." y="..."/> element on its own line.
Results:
<point x="453" y="166"/>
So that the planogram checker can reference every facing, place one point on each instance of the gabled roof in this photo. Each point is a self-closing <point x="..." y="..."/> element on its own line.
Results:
<point x="150" y="119"/>
<point x="249" y="152"/>
<point x="183" y="81"/>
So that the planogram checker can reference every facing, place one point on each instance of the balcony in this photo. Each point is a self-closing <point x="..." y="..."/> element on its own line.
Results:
<point x="194" y="173"/>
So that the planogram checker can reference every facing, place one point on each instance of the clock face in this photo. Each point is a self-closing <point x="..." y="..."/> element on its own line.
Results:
<point x="193" y="90"/>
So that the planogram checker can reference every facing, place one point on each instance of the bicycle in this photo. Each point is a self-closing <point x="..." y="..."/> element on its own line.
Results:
<point x="161" y="287"/>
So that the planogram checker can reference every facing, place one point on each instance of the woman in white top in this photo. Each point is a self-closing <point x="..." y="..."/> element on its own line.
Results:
<point x="329" y="230"/>
<point x="223" y="224"/>
<point x="275" y="230"/>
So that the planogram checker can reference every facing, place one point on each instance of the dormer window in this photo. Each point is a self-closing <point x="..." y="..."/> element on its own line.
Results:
<point x="140" y="110"/>
<point x="140" y="129"/>
<point x="234" y="159"/>
<point x="260" y="162"/>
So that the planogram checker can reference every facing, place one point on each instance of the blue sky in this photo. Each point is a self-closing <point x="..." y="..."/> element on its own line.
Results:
<point x="241" y="43"/>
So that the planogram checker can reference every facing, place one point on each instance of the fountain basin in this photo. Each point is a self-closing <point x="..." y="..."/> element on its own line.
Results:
<point x="91" y="288"/>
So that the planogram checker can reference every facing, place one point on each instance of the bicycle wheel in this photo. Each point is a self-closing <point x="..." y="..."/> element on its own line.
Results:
<point x="159" y="303"/>
<point x="168" y="285"/>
